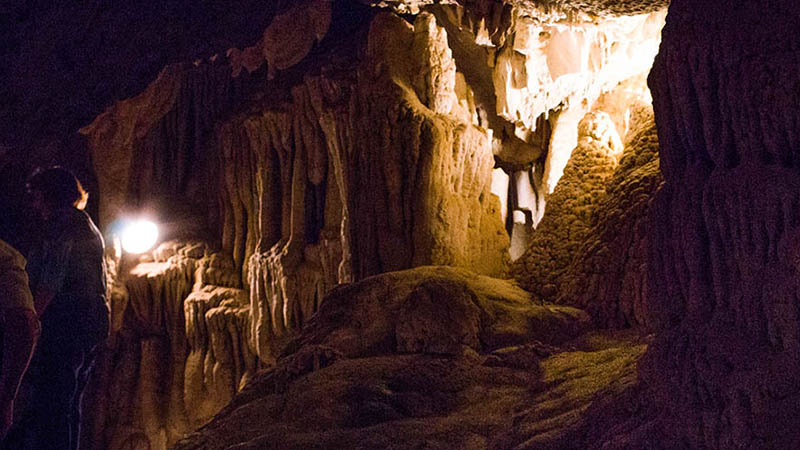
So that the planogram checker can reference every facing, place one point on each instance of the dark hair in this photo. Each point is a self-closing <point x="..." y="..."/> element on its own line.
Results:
<point x="59" y="187"/>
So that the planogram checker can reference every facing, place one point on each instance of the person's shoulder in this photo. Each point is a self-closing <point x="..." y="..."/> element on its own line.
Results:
<point x="10" y="257"/>
<point x="86" y="228"/>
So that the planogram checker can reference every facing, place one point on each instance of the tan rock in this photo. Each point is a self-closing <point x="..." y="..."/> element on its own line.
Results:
<point x="395" y="375"/>
<point x="292" y="34"/>
<point x="567" y="219"/>
<point x="608" y="277"/>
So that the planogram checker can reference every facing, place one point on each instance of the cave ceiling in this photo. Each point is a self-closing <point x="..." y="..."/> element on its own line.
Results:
<point x="596" y="8"/>
<point x="67" y="61"/>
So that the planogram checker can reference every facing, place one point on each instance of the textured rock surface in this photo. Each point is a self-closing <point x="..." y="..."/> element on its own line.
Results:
<point x="534" y="75"/>
<point x="435" y="309"/>
<point x="300" y="174"/>
<point x="313" y="181"/>
<point x="567" y="220"/>
<point x="179" y="348"/>
<point x="297" y="214"/>
<point x="564" y="67"/>
<point x="322" y="175"/>
<point x="221" y="359"/>
<point x="724" y="368"/>
<point x="608" y="276"/>
<point x="397" y="376"/>
<point x="538" y="7"/>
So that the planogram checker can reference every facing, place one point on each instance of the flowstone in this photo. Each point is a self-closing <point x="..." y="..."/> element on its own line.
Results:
<point x="377" y="367"/>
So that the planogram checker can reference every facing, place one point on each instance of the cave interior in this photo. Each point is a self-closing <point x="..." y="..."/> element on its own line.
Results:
<point x="406" y="224"/>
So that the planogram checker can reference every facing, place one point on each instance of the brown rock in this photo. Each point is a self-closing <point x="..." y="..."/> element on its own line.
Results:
<point x="724" y="366"/>
<point x="342" y="383"/>
<point x="567" y="219"/>
<point x="608" y="277"/>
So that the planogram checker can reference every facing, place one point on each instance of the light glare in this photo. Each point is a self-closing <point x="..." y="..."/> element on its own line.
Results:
<point x="139" y="236"/>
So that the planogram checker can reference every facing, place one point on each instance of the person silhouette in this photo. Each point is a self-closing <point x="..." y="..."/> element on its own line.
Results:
<point x="68" y="281"/>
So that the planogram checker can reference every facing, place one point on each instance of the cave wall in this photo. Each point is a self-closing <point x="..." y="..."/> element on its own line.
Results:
<point x="721" y="268"/>
<point x="311" y="178"/>
<point x="722" y="262"/>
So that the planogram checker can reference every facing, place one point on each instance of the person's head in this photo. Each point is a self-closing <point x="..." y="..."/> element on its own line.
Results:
<point x="55" y="188"/>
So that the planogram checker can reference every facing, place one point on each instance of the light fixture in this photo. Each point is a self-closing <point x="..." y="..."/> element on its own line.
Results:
<point x="138" y="236"/>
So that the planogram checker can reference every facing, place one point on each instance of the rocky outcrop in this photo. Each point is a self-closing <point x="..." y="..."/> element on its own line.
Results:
<point x="608" y="276"/>
<point x="152" y="145"/>
<point x="221" y="359"/>
<point x="591" y="8"/>
<point x="179" y="348"/>
<point x="312" y="181"/>
<point x="377" y="367"/>
<point x="535" y="72"/>
<point x="384" y="156"/>
<point x="723" y="274"/>
<point x="359" y="149"/>
<point x="567" y="220"/>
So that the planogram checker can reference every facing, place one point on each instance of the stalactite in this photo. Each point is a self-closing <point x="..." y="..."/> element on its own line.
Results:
<point x="157" y="138"/>
<point x="180" y="342"/>
<point x="220" y="359"/>
<point x="318" y="177"/>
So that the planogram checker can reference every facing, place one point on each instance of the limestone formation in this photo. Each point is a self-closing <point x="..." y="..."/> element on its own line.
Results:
<point x="340" y="176"/>
<point x="563" y="67"/>
<point x="567" y="220"/>
<point x="535" y="73"/>
<point x="424" y="311"/>
<point x="221" y="359"/>
<point x="293" y="33"/>
<point x="722" y="280"/>
<point x="337" y="181"/>
<point x="592" y="8"/>
<point x="608" y="276"/>
<point x="179" y="348"/>
<point x="351" y="152"/>
<point x="382" y="370"/>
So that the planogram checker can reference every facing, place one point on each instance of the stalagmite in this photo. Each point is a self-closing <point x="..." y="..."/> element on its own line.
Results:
<point x="608" y="276"/>
<point x="567" y="220"/>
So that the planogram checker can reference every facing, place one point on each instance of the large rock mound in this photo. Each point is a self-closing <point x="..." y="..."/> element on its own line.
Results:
<point x="432" y="357"/>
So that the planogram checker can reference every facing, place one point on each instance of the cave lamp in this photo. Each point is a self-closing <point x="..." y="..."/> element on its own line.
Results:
<point x="138" y="236"/>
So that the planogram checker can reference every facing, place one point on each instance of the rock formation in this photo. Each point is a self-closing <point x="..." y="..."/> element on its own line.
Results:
<point x="567" y="220"/>
<point x="179" y="348"/>
<point x="338" y="183"/>
<point x="383" y="370"/>
<point x="365" y="147"/>
<point x="722" y="267"/>
<point x="608" y="273"/>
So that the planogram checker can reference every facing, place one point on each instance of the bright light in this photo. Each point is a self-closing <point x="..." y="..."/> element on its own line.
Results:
<point x="139" y="236"/>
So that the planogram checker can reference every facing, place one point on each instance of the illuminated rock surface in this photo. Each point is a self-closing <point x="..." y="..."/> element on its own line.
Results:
<point x="567" y="220"/>
<point x="434" y="357"/>
<point x="301" y="145"/>
<point x="608" y="274"/>
<point x="179" y="348"/>
<point x="360" y="149"/>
